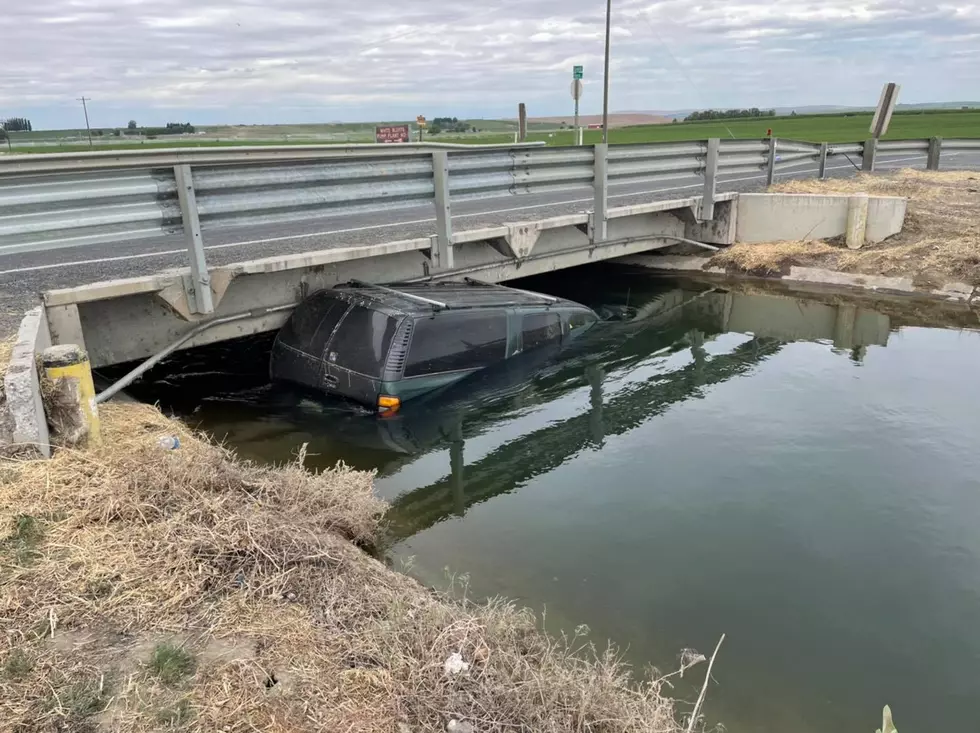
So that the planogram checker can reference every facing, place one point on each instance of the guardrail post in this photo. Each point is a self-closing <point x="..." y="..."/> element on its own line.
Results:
<point x="935" y="148"/>
<point x="203" y="303"/>
<point x="442" y="242"/>
<point x="822" y="162"/>
<point x="601" y="189"/>
<point x="868" y="155"/>
<point x="710" y="174"/>
<point x="771" y="164"/>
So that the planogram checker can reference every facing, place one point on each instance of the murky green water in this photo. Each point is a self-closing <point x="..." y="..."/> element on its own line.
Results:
<point x="801" y="474"/>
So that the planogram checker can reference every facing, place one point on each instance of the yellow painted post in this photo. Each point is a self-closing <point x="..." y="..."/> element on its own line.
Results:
<point x="71" y="362"/>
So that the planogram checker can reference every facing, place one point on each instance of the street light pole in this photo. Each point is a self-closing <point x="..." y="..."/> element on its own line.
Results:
<point x="605" y="80"/>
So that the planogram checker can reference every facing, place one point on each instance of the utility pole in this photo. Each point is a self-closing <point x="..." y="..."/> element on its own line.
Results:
<point x="605" y="81"/>
<point x="83" y="100"/>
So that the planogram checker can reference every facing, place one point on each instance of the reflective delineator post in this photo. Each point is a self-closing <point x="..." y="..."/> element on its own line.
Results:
<point x="70" y="363"/>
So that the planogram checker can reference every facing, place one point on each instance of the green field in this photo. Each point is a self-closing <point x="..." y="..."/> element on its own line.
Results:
<point x="815" y="128"/>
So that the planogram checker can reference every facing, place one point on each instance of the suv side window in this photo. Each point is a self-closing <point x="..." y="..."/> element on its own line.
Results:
<point x="538" y="329"/>
<point x="447" y="343"/>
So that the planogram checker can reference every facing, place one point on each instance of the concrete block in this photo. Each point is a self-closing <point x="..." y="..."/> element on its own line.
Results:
<point x="857" y="221"/>
<point x="720" y="229"/>
<point x="886" y="217"/>
<point x="849" y="279"/>
<point x="22" y="386"/>
<point x="763" y="217"/>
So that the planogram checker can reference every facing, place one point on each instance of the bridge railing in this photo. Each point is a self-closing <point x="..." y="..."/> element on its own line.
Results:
<point x="62" y="200"/>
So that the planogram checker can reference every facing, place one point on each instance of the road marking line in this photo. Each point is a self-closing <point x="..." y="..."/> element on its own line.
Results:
<point x="170" y="252"/>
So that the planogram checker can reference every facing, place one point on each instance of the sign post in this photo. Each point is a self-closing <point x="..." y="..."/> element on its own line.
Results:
<point x="420" y="121"/>
<point x="883" y="113"/>
<point x="577" y="74"/>
<point x="879" y="125"/>
<point x="522" y="122"/>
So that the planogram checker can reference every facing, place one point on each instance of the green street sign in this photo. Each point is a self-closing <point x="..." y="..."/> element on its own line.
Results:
<point x="576" y="72"/>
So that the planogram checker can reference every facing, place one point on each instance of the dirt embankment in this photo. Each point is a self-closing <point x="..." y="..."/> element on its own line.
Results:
<point x="148" y="589"/>
<point x="940" y="242"/>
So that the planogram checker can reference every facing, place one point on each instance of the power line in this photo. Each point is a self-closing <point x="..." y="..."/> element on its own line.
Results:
<point x="83" y="100"/>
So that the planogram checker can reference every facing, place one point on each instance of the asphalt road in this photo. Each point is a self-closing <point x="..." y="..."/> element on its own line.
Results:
<point x="24" y="276"/>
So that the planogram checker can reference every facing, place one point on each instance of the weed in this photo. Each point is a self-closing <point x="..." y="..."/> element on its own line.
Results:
<point x="77" y="702"/>
<point x="17" y="665"/>
<point x="24" y="539"/>
<point x="171" y="663"/>
<point x="177" y="715"/>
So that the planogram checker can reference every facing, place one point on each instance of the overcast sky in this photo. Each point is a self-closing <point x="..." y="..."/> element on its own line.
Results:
<point x="211" y="61"/>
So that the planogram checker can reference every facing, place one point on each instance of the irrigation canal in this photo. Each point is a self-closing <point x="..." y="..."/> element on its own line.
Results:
<point x="798" y="472"/>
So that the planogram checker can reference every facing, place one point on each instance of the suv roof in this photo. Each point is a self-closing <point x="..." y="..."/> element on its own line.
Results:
<point x="424" y="298"/>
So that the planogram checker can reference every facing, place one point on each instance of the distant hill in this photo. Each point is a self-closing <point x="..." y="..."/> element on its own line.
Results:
<point x="816" y="109"/>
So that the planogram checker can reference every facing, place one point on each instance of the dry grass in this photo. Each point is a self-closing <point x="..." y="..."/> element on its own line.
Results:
<point x="255" y="575"/>
<point x="940" y="241"/>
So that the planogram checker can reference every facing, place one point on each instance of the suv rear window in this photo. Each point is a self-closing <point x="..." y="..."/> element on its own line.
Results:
<point x="362" y="341"/>
<point x="539" y="329"/>
<point x="448" y="343"/>
<point x="312" y="322"/>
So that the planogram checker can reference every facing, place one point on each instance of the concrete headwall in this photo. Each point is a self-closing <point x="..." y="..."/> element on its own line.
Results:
<point x="774" y="217"/>
<point x="23" y="406"/>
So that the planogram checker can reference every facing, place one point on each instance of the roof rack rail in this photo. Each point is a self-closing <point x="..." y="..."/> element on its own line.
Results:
<point x="541" y="296"/>
<point x="437" y="304"/>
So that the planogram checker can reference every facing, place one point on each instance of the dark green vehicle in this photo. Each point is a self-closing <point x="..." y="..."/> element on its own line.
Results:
<point x="383" y="345"/>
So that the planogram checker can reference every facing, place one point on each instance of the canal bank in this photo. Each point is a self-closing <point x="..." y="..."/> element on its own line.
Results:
<point x="149" y="587"/>
<point x="936" y="254"/>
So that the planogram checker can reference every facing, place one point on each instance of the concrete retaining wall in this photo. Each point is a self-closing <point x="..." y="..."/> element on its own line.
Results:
<point x="23" y="406"/>
<point x="775" y="217"/>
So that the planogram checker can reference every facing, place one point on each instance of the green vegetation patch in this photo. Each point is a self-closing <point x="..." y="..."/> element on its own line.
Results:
<point x="171" y="663"/>
<point x="176" y="715"/>
<point x="24" y="539"/>
<point x="18" y="665"/>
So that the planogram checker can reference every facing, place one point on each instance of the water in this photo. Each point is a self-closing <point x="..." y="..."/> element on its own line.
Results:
<point x="800" y="474"/>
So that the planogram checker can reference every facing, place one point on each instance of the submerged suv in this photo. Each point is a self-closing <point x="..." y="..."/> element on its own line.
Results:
<point x="382" y="345"/>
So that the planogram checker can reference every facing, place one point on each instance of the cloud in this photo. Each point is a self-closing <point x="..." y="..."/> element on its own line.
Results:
<point x="251" y="61"/>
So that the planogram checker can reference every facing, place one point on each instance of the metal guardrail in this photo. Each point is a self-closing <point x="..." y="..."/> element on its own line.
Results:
<point x="214" y="155"/>
<point x="54" y="201"/>
<point x="961" y="144"/>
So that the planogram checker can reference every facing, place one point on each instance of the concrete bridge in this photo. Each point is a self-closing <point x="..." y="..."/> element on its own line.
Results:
<point x="55" y="204"/>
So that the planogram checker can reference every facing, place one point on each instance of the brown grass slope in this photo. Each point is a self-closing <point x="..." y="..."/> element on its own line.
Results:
<point x="145" y="589"/>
